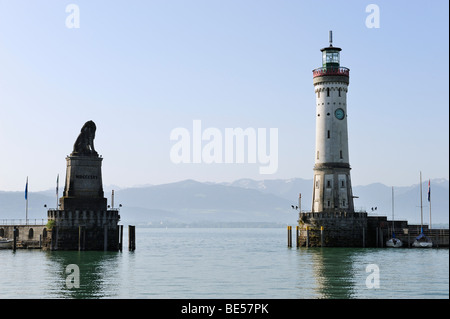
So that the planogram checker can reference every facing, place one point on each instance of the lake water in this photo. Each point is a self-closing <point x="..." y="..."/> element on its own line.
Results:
<point x="226" y="263"/>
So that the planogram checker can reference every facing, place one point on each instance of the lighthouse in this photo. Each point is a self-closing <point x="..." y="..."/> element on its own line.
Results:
<point x="332" y="221"/>
<point x="332" y="190"/>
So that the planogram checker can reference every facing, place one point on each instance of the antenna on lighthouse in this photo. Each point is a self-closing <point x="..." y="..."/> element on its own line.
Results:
<point x="331" y="38"/>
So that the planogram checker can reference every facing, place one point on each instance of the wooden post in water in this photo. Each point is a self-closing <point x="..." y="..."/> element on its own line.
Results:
<point x="105" y="238"/>
<point x="131" y="238"/>
<point x="80" y="231"/>
<point x="14" y="238"/>
<point x="364" y="237"/>
<point x="381" y="237"/>
<point x="55" y="231"/>
<point x="120" y="237"/>
<point x="289" y="234"/>
<point x="321" y="236"/>
<point x="307" y="236"/>
<point x="297" y="236"/>
<point x="376" y="237"/>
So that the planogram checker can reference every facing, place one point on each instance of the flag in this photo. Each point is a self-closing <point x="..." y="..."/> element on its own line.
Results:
<point x="429" y="190"/>
<point x="26" y="189"/>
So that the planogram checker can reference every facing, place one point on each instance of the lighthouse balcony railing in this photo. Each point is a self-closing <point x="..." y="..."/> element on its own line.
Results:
<point x="340" y="214"/>
<point x="331" y="71"/>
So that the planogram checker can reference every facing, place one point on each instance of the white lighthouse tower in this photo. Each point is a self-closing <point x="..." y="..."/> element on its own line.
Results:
<point x="332" y="190"/>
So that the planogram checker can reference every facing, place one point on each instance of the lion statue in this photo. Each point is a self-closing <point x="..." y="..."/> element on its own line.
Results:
<point x="84" y="145"/>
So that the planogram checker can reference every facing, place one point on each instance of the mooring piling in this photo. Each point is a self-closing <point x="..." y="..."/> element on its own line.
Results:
<point x="105" y="238"/>
<point x="321" y="236"/>
<point x="307" y="236"/>
<point x="120" y="237"/>
<point x="364" y="237"/>
<point x="289" y="234"/>
<point x="80" y="238"/>
<point x="131" y="238"/>
<point x="14" y="238"/>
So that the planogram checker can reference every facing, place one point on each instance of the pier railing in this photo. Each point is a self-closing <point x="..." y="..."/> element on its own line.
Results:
<point x="23" y="221"/>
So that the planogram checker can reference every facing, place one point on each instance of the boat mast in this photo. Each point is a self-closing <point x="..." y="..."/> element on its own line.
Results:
<point x="393" y="224"/>
<point x="421" y="207"/>
<point x="26" y="198"/>
<point x="429" y="199"/>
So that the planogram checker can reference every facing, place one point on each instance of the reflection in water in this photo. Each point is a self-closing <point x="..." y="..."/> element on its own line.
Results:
<point x="98" y="270"/>
<point x="334" y="271"/>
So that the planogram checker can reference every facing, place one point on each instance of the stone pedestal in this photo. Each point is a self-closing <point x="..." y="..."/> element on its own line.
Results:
<point x="84" y="187"/>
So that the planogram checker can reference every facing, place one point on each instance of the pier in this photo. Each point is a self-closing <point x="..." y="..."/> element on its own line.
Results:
<point x="29" y="235"/>
<point x="359" y="230"/>
<point x="39" y="234"/>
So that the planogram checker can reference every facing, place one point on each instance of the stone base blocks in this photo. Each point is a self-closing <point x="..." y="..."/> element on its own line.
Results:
<point x="328" y="229"/>
<point x="83" y="230"/>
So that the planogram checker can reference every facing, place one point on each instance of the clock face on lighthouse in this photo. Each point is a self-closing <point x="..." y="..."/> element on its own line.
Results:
<point x="339" y="113"/>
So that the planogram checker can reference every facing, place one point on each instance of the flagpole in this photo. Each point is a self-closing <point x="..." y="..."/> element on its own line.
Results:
<point x="26" y="198"/>
<point x="57" y="191"/>
<point x="430" y="213"/>
<point x="421" y="206"/>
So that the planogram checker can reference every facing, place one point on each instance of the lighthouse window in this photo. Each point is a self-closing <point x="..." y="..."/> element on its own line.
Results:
<point x="318" y="94"/>
<point x="339" y="91"/>
<point x="328" y="184"/>
<point x="342" y="184"/>
<point x="328" y="91"/>
<point x="340" y="153"/>
<point x="328" y="133"/>
<point x="328" y="203"/>
<point x="343" y="202"/>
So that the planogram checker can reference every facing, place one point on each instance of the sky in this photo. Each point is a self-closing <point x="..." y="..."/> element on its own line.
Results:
<point x="142" y="69"/>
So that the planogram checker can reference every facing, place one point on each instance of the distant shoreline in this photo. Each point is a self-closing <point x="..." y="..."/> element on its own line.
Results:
<point x="210" y="225"/>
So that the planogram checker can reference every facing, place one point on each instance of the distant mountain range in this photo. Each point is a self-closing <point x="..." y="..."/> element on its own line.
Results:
<point x="266" y="202"/>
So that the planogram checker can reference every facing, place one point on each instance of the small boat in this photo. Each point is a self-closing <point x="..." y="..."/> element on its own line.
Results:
<point x="5" y="243"/>
<point x="422" y="241"/>
<point x="393" y="242"/>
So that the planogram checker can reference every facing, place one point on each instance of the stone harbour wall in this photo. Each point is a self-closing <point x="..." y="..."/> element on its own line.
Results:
<point x="345" y="229"/>
<point x="82" y="238"/>
<point x="83" y="230"/>
<point x="332" y="229"/>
